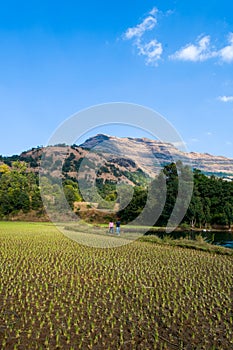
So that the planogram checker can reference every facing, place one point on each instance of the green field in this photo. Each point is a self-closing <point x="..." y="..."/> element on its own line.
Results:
<point x="58" y="294"/>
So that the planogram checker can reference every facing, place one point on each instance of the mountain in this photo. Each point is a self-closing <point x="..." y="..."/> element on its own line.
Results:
<point x="151" y="155"/>
<point x="114" y="159"/>
<point x="81" y="163"/>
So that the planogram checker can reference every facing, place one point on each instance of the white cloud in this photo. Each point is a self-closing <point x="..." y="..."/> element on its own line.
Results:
<point x="153" y="11"/>
<point x="138" y="31"/>
<point x="151" y="50"/>
<point x="202" y="51"/>
<point x="169" y="12"/>
<point x="198" y="52"/>
<point x="226" y="53"/>
<point x="225" y="98"/>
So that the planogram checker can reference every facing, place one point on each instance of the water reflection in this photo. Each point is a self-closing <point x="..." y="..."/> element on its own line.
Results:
<point x="222" y="238"/>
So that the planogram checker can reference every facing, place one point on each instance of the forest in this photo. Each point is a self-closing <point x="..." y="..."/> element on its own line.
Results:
<point x="211" y="203"/>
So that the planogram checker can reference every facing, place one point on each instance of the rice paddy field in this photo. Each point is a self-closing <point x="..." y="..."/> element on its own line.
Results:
<point x="58" y="294"/>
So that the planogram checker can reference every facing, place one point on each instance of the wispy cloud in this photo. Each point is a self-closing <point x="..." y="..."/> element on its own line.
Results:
<point x="147" y="24"/>
<point x="151" y="50"/>
<point x="201" y="51"/>
<point x="154" y="11"/>
<point x="226" y="53"/>
<point x="138" y="31"/>
<point x="225" y="98"/>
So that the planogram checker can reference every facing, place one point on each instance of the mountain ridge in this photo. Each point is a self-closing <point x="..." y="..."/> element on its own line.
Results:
<point x="159" y="152"/>
<point x="124" y="158"/>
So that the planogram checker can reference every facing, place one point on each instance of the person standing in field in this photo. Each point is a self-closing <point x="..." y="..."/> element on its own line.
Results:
<point x="118" y="225"/>
<point x="111" y="227"/>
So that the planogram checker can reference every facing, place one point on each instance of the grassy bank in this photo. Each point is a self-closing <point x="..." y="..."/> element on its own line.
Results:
<point x="198" y="244"/>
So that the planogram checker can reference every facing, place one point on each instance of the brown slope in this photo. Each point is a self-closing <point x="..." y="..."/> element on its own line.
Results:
<point x="150" y="155"/>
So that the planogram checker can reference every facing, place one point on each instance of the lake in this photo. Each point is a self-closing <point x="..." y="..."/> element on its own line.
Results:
<point x="222" y="238"/>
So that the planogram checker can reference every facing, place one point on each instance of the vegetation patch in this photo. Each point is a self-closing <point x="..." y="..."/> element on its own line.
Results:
<point x="199" y="244"/>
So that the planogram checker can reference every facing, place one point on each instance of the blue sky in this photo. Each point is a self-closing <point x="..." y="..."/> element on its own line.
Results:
<point x="175" y="57"/>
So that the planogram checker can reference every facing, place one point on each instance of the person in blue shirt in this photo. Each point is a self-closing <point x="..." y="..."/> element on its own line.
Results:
<point x="118" y="225"/>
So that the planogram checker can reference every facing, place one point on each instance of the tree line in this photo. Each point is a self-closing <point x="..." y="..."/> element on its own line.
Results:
<point x="211" y="203"/>
<point x="20" y="191"/>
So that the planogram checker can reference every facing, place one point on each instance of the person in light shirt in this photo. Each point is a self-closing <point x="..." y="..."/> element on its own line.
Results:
<point x="111" y="227"/>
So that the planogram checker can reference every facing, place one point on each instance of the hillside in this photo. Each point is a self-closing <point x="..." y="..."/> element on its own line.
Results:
<point x="107" y="162"/>
<point x="151" y="155"/>
<point x="75" y="162"/>
<point x="114" y="159"/>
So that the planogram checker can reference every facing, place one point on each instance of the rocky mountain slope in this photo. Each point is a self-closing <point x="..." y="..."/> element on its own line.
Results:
<point x="109" y="158"/>
<point x="151" y="155"/>
<point x="78" y="163"/>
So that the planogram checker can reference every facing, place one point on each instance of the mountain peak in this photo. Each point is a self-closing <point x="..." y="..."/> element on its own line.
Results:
<point x="150" y="154"/>
<point x="95" y="140"/>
